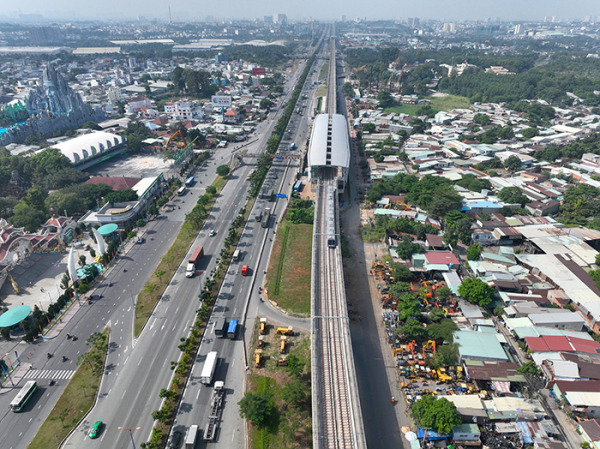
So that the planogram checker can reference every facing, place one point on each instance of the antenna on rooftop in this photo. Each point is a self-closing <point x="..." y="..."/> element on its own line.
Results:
<point x="170" y="19"/>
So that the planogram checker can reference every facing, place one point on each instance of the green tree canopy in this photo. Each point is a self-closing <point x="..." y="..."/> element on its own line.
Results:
<point x="513" y="195"/>
<point x="476" y="291"/>
<point x="513" y="163"/>
<point x="256" y="408"/>
<point x="222" y="170"/>
<point x="439" y="415"/>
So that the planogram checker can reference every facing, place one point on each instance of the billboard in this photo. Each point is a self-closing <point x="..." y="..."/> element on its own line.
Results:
<point x="221" y="100"/>
<point x="258" y="71"/>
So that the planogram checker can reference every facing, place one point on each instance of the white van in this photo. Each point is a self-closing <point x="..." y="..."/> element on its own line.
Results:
<point x="191" y="436"/>
<point x="236" y="255"/>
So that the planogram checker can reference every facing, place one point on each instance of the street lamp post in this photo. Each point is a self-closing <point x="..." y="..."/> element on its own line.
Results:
<point x="132" y="301"/>
<point x="130" y="433"/>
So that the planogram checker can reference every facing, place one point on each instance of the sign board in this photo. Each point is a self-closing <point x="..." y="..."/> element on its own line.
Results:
<point x="221" y="101"/>
<point x="258" y="71"/>
<point x="281" y="195"/>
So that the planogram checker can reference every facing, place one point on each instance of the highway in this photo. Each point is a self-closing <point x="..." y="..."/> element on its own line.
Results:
<point x="240" y="293"/>
<point x="137" y="369"/>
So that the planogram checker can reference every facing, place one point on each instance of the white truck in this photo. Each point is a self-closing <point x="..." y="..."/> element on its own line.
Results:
<point x="209" y="368"/>
<point x="191" y="436"/>
<point x="216" y="401"/>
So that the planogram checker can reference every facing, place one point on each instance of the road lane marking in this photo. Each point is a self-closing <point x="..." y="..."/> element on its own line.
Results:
<point x="125" y="361"/>
<point x="198" y="395"/>
<point x="123" y="395"/>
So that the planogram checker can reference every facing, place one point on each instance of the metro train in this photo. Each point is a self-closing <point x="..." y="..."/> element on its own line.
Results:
<point x="330" y="205"/>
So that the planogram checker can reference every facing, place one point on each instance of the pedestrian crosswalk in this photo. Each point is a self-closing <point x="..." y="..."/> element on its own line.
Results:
<point x="55" y="374"/>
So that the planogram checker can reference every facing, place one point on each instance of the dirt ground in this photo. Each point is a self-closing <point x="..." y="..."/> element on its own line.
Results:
<point x="133" y="166"/>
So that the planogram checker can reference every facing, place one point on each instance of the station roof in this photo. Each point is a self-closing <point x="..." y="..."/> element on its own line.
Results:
<point x="14" y="315"/>
<point x="82" y="148"/>
<point x="329" y="144"/>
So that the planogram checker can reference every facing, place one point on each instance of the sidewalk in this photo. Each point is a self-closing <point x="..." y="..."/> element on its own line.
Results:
<point x="16" y="377"/>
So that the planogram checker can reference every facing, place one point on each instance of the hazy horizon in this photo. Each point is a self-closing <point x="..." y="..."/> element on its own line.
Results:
<point x="504" y="10"/>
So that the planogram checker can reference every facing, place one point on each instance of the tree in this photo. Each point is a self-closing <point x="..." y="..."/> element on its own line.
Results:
<point x="348" y="90"/>
<point x="476" y="291"/>
<point x="369" y="127"/>
<point x="444" y="202"/>
<point x="295" y="392"/>
<point x="453" y="216"/>
<point x="598" y="259"/>
<point x="529" y="369"/>
<point x="256" y="408"/>
<point x="91" y="125"/>
<point x="446" y="355"/>
<point x="435" y="315"/>
<point x="474" y="251"/>
<point x="406" y="249"/>
<point x="413" y="330"/>
<point x="530" y="133"/>
<point x="134" y="143"/>
<point x="482" y="119"/>
<point x="265" y="103"/>
<point x="222" y="170"/>
<point x="440" y="414"/>
<point x="513" y="163"/>
<point x="442" y="331"/>
<point x="401" y="273"/>
<point x="443" y="293"/>
<point x="385" y="99"/>
<point x="513" y="195"/>
<point x="27" y="217"/>
<point x="498" y="311"/>
<point x="211" y="190"/>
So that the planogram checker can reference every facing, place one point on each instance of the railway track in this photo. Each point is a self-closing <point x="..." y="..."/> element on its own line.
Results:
<point x="337" y="417"/>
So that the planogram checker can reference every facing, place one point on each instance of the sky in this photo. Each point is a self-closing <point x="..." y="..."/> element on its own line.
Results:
<point x="454" y="10"/>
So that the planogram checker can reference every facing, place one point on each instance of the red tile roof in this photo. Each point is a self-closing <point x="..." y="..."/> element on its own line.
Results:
<point x="556" y="343"/>
<point x="591" y="428"/>
<point x="441" y="257"/>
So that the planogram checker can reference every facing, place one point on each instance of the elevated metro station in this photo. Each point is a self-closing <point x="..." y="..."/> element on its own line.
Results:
<point x="329" y="150"/>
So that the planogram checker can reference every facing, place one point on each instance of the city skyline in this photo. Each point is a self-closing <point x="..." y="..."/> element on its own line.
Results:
<point x="507" y="10"/>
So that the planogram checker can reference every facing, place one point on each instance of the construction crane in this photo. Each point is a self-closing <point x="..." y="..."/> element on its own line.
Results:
<point x="400" y="78"/>
<point x="393" y="69"/>
<point x="173" y="136"/>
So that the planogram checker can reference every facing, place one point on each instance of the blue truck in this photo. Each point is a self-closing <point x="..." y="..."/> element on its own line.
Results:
<point x="233" y="324"/>
<point x="292" y="146"/>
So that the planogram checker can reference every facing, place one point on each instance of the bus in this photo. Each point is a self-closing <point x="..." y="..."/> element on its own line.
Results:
<point x="298" y="186"/>
<point x="24" y="395"/>
<point x="189" y="182"/>
<point x="181" y="191"/>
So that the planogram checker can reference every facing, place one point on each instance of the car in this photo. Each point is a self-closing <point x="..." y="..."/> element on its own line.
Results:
<point x="244" y="270"/>
<point x="95" y="430"/>
<point x="212" y="233"/>
<point x="175" y="440"/>
<point x="140" y="240"/>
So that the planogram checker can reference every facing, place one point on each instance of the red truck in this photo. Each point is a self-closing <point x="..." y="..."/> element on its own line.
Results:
<point x="193" y="262"/>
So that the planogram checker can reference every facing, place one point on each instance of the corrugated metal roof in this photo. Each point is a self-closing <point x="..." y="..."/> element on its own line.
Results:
<point x="339" y="145"/>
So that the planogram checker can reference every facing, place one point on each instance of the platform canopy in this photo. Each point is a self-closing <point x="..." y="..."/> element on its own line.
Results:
<point x="14" y="316"/>
<point x="107" y="229"/>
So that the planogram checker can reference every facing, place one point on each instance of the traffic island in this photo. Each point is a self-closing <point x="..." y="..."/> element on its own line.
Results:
<point x="280" y="381"/>
<point x="290" y="267"/>
<point x="78" y="397"/>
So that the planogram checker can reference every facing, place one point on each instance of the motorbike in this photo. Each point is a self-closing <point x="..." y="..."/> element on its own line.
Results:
<point x="52" y="382"/>
<point x="89" y="301"/>
<point x="49" y="355"/>
<point x="74" y="337"/>
<point x="64" y="359"/>
<point x="261" y="300"/>
<point x="68" y="336"/>
<point x="110" y="284"/>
